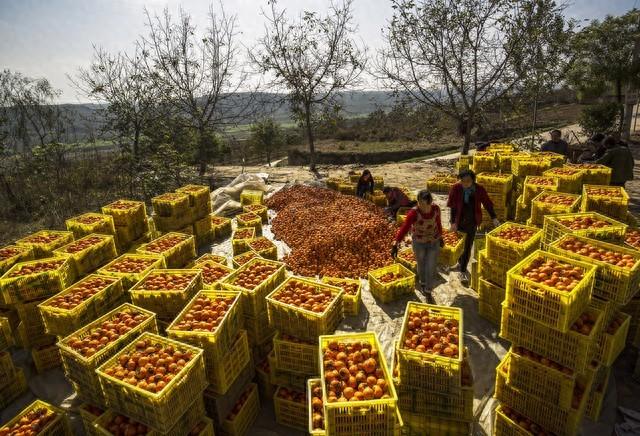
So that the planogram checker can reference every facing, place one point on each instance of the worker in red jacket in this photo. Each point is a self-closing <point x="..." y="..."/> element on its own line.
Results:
<point x="426" y="239"/>
<point x="465" y="200"/>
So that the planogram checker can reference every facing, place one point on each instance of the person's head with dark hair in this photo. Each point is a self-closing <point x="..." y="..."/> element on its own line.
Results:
<point x="597" y="138"/>
<point x="386" y="190"/>
<point x="425" y="200"/>
<point x="610" y="142"/>
<point x="467" y="178"/>
<point x="556" y="135"/>
<point x="366" y="176"/>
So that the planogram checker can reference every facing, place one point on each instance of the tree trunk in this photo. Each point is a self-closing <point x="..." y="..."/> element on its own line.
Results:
<point x="619" y="100"/>
<point x="136" y="144"/>
<point x="202" y="153"/>
<point x="268" y="157"/>
<point x="10" y="194"/>
<point x="312" y="148"/>
<point x="535" y="120"/>
<point x="466" y="125"/>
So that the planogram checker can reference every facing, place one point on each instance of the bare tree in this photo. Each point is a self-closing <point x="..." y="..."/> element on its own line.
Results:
<point x="200" y="76"/>
<point x="121" y="81"/>
<point x="456" y="55"/>
<point x="313" y="59"/>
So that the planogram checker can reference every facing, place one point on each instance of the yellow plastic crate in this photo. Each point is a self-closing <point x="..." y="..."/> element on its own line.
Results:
<point x="534" y="185"/>
<point x="90" y="222"/>
<point x="80" y="369"/>
<point x="46" y="357"/>
<point x="597" y="394"/>
<point x="89" y="415"/>
<point x="295" y="355"/>
<point x="160" y="410"/>
<point x="203" y="230"/>
<point x="407" y="257"/>
<point x="12" y="254"/>
<point x="612" y="282"/>
<point x="61" y="321"/>
<point x="20" y="285"/>
<point x="430" y="371"/>
<point x="8" y="369"/>
<point x="264" y="247"/>
<point x="257" y="209"/>
<point x="509" y="252"/>
<point x="632" y="238"/>
<point x="126" y="235"/>
<point x="506" y="157"/>
<point x="57" y="426"/>
<point x="131" y="267"/>
<point x="552" y="385"/>
<point x="166" y="303"/>
<point x="496" y="183"/>
<point x="250" y="219"/>
<point x="253" y="299"/>
<point x="199" y="195"/>
<point x="555" y="308"/>
<point x="492" y="271"/>
<point x="419" y="425"/>
<point x="484" y="161"/>
<point x="554" y="228"/>
<point x="221" y="227"/>
<point x="612" y="202"/>
<point x="258" y="328"/>
<point x="556" y="159"/>
<point x="346" y="418"/>
<point x="333" y="182"/>
<point x="240" y="239"/>
<point x="594" y="174"/>
<point x="401" y="214"/>
<point x="303" y="323"/>
<point x="213" y="273"/>
<point x="448" y="254"/>
<point x="490" y="298"/>
<point x="542" y="205"/>
<point x="89" y="253"/>
<point x="523" y="166"/>
<point x="505" y="426"/>
<point x="350" y="299"/>
<point x="523" y="211"/>
<point x="441" y="183"/>
<point x="203" y="428"/>
<point x="248" y="196"/>
<point x="390" y="291"/>
<point x="14" y="389"/>
<point x="548" y="415"/>
<point x="219" y="342"/>
<point x="347" y="188"/>
<point x="239" y="424"/>
<point x="217" y="258"/>
<point x="43" y="243"/>
<point x="171" y="204"/>
<point x="572" y="349"/>
<point x="288" y="412"/>
<point x="613" y="344"/>
<point x="241" y="259"/>
<point x="569" y="179"/>
<point x="126" y="213"/>
<point x="177" y="255"/>
<point x="313" y="383"/>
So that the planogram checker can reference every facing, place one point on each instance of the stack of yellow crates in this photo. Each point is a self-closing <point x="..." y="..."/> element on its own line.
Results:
<point x="130" y="221"/>
<point x="434" y="388"/>
<point x="498" y="187"/>
<point x="12" y="380"/>
<point x="523" y="166"/>
<point x="548" y="374"/>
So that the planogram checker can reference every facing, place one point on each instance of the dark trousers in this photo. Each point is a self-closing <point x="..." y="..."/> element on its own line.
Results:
<point x="470" y="231"/>
<point x="622" y="184"/>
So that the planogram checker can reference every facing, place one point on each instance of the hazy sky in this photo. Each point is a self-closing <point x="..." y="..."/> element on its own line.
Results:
<point x="50" y="38"/>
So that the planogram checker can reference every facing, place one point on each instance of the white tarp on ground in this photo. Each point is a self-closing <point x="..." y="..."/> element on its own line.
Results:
<point x="480" y="337"/>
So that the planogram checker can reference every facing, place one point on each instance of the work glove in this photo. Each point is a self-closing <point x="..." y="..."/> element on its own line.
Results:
<point x="394" y="251"/>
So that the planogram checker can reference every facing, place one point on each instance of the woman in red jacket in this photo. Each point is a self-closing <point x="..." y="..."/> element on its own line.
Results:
<point x="426" y="235"/>
<point x="465" y="200"/>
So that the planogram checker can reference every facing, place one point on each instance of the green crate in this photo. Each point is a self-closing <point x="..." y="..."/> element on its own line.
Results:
<point x="89" y="252"/>
<point x="387" y="292"/>
<point x="159" y="410"/>
<point x="19" y="285"/>
<point x="12" y="254"/>
<point x="303" y="323"/>
<point x="43" y="243"/>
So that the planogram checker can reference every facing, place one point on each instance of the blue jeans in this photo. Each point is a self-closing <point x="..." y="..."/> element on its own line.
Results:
<point x="427" y="261"/>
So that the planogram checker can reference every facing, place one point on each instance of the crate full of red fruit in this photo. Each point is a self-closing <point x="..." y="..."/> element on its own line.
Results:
<point x="241" y="259"/>
<point x="131" y="268"/>
<point x="178" y="249"/>
<point x="241" y="238"/>
<point x="157" y="404"/>
<point x="250" y="219"/>
<point x="550" y="203"/>
<point x="290" y="406"/>
<point x="84" y="350"/>
<point x="617" y="277"/>
<point x="574" y="349"/>
<point x="213" y="273"/>
<point x="430" y="348"/>
<point x="407" y="257"/>
<point x="255" y="280"/>
<point x="391" y="282"/>
<point x="588" y="224"/>
<point x="305" y="308"/>
<point x="632" y="238"/>
<point x="166" y="291"/>
<point x="356" y="377"/>
<point x="594" y="174"/>
<point x="220" y="226"/>
<point x="264" y="247"/>
<point x="90" y="252"/>
<point x="91" y="222"/>
<point x="569" y="179"/>
<point x="36" y="279"/>
<point x="199" y="200"/>
<point x="12" y="254"/>
<point x="352" y="293"/>
<point x="453" y="247"/>
<point x="38" y="418"/>
<point x="550" y="289"/>
<point x="258" y="209"/>
<point x="45" y="241"/>
<point x="523" y="166"/>
<point x="80" y="303"/>
<point x="510" y="242"/>
<point x="533" y="185"/>
<point x="126" y="213"/>
<point x="496" y="183"/>
<point x="612" y="201"/>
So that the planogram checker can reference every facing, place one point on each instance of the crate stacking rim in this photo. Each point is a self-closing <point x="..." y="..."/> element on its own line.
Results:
<point x="303" y="323"/>
<point x="159" y="410"/>
<point x="594" y="174"/>
<point x="353" y="417"/>
<point x="612" y="282"/>
<point x="429" y="371"/>
<point x="553" y="229"/>
<point x="545" y="304"/>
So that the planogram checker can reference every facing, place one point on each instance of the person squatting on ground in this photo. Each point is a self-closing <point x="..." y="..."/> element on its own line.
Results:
<point x="365" y="184"/>
<point x="466" y="198"/>
<point x="424" y="222"/>
<point x="395" y="200"/>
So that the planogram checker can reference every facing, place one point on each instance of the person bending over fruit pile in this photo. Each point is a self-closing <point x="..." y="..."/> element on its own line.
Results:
<point x="426" y="239"/>
<point x="465" y="200"/>
<point x="396" y="199"/>
<point x="365" y="184"/>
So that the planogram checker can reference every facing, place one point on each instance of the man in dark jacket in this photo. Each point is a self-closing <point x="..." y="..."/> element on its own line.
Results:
<point x="618" y="157"/>
<point x="466" y="199"/>
<point x="557" y="144"/>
